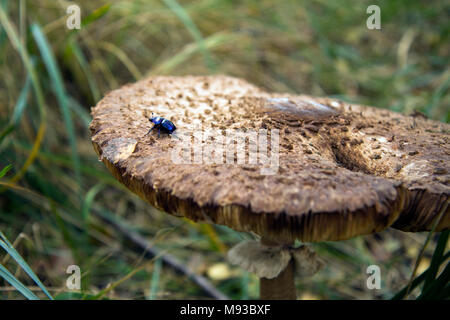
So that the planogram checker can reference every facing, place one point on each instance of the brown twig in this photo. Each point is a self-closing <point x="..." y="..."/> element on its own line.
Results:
<point x="150" y="251"/>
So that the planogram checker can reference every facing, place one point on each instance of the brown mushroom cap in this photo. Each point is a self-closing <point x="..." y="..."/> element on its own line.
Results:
<point x="344" y="169"/>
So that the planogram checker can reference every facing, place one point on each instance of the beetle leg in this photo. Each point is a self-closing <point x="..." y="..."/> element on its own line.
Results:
<point x="159" y="131"/>
<point x="173" y="134"/>
<point x="149" y="130"/>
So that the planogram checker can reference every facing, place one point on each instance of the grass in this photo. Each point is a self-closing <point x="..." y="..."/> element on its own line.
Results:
<point x="52" y="185"/>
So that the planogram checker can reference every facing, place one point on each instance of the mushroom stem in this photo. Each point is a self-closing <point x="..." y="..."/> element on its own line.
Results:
<point x="281" y="287"/>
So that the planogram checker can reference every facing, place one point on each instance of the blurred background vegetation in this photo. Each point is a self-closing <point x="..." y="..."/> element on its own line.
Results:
<point x="54" y="192"/>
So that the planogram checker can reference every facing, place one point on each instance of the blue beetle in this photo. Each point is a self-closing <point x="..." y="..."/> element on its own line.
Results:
<point x="162" y="124"/>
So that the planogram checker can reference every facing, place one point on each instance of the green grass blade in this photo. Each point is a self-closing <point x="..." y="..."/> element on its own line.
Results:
<point x="5" y="170"/>
<point x="113" y="285"/>
<point x="78" y="109"/>
<point x="5" y="244"/>
<point x="16" y="43"/>
<point x="21" y="102"/>
<point x="437" y="258"/>
<point x="5" y="274"/>
<point x="436" y="288"/>
<point x="6" y="131"/>
<point x="417" y="281"/>
<point x="18" y="109"/>
<point x="245" y="281"/>
<point x="184" y="17"/>
<point x="96" y="14"/>
<point x="154" y="284"/>
<point x="61" y="95"/>
<point x="89" y="198"/>
<point x="437" y="97"/>
<point x="72" y="49"/>
<point x="66" y="162"/>
<point x="66" y="235"/>
<point x="3" y="36"/>
<point x="188" y="51"/>
<point x="445" y="293"/>
<point x="122" y="57"/>
<point x="428" y="239"/>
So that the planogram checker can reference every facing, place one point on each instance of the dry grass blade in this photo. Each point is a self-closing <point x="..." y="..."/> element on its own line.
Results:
<point x="151" y="252"/>
<point x="15" y="40"/>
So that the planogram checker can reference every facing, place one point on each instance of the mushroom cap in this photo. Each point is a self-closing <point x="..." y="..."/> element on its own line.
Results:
<point x="343" y="169"/>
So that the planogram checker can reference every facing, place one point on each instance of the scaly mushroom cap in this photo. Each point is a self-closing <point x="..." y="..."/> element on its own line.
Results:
<point x="343" y="169"/>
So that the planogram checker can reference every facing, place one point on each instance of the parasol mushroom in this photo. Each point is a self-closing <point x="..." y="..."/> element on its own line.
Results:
<point x="334" y="171"/>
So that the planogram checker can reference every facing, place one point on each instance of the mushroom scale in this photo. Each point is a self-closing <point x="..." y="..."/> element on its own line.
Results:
<point x="343" y="169"/>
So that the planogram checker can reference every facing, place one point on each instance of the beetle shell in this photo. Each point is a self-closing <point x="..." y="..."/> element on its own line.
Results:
<point x="163" y="124"/>
<point x="168" y="125"/>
